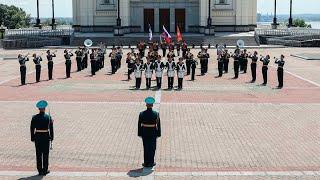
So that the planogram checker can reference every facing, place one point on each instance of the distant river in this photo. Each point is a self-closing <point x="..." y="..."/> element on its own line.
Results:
<point x="314" y="24"/>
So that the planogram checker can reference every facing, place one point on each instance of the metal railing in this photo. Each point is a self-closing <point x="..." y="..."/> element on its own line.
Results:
<point x="45" y="32"/>
<point x="286" y="32"/>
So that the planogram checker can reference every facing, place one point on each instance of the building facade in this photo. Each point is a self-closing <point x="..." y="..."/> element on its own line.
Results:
<point x="189" y="15"/>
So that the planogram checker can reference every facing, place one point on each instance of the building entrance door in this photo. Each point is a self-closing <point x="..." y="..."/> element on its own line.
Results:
<point x="164" y="19"/>
<point x="180" y="19"/>
<point x="148" y="19"/>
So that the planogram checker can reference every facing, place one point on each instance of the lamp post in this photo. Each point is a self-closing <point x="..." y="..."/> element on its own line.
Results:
<point x="118" y="30"/>
<point x="53" y="19"/>
<point x="118" y="19"/>
<point x="275" y="23"/>
<point x="209" y="21"/>
<point x="290" y="18"/>
<point x="38" y="16"/>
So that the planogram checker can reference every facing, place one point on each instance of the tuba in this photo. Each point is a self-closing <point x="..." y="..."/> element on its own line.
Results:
<point x="88" y="43"/>
<point x="240" y="43"/>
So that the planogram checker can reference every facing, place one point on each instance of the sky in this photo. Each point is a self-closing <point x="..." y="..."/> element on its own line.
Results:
<point x="63" y="8"/>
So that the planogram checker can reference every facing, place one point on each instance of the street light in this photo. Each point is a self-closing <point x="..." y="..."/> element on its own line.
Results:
<point x="118" y="19"/>
<point x="2" y="30"/>
<point x="275" y="23"/>
<point x="209" y="22"/>
<point x="53" y="19"/>
<point x="38" y="16"/>
<point x="290" y="18"/>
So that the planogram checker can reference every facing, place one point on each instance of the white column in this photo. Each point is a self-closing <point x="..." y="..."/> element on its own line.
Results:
<point x="203" y="12"/>
<point x="156" y="20"/>
<point x="125" y="12"/>
<point x="172" y="20"/>
<point x="86" y="12"/>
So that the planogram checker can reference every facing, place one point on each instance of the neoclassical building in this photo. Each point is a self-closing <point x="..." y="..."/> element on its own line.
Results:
<point x="189" y="15"/>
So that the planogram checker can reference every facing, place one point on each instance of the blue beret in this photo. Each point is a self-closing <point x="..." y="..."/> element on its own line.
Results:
<point x="149" y="100"/>
<point x="42" y="104"/>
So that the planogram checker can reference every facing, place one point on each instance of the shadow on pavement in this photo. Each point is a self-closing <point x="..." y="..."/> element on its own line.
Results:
<point x="35" y="177"/>
<point x="140" y="172"/>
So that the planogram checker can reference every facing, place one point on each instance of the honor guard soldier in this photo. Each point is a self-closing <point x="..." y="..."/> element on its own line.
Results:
<point x="194" y="64"/>
<point x="244" y="61"/>
<point x="113" y="60"/>
<point x="41" y="130"/>
<point x="280" y="63"/>
<point x="181" y="69"/>
<point x="23" y="68"/>
<point x="226" y="57"/>
<point x="159" y="66"/>
<point x="37" y="61"/>
<point x="164" y="48"/>
<point x="101" y="54"/>
<point x="93" y="62"/>
<point x="171" y="55"/>
<point x="149" y="129"/>
<point x="265" y="61"/>
<point x="189" y="58"/>
<point x="171" y="46"/>
<point x="141" y="47"/>
<point x="220" y="64"/>
<point x="184" y="49"/>
<point x="148" y="69"/>
<point x="131" y="56"/>
<point x="138" y="68"/>
<point x="170" y="72"/>
<point x="155" y="47"/>
<point x="254" y="59"/>
<point x="67" y="56"/>
<point x="50" y="63"/>
<point x="236" y="57"/>
<point x="79" y="55"/>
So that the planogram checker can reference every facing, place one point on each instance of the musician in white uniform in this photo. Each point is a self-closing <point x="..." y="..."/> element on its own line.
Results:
<point x="170" y="71"/>
<point x="138" y="68"/>
<point x="159" y="66"/>
<point x="181" y="69"/>
<point x="148" y="69"/>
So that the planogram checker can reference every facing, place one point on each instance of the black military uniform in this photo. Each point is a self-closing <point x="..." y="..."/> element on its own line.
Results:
<point x="130" y="63"/>
<point x="141" y="47"/>
<point x="85" y="53"/>
<point x="93" y="61"/>
<point x="244" y="61"/>
<point x="41" y="130"/>
<point x="37" y="61"/>
<point x="236" y="62"/>
<point x="113" y="61"/>
<point x="79" y="55"/>
<point x="226" y="57"/>
<point x="220" y="65"/>
<point x="149" y="129"/>
<point x="193" y="65"/>
<point x="23" y="68"/>
<point x="68" y="62"/>
<point x="189" y="58"/>
<point x="178" y="46"/>
<point x="203" y="56"/>
<point x="265" y="61"/>
<point x="280" y="63"/>
<point x="50" y="63"/>
<point x="254" y="66"/>
<point x="184" y="49"/>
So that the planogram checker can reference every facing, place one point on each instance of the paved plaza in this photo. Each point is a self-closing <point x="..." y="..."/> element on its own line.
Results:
<point x="215" y="128"/>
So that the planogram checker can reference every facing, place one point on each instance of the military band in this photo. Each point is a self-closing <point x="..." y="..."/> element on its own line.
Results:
<point x="155" y="65"/>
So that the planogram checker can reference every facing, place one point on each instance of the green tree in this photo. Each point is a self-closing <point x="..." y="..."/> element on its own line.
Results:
<point x="301" y="23"/>
<point x="14" y="17"/>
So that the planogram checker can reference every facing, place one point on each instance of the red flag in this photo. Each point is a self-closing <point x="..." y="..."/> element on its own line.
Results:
<point x="179" y="35"/>
<point x="166" y="37"/>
